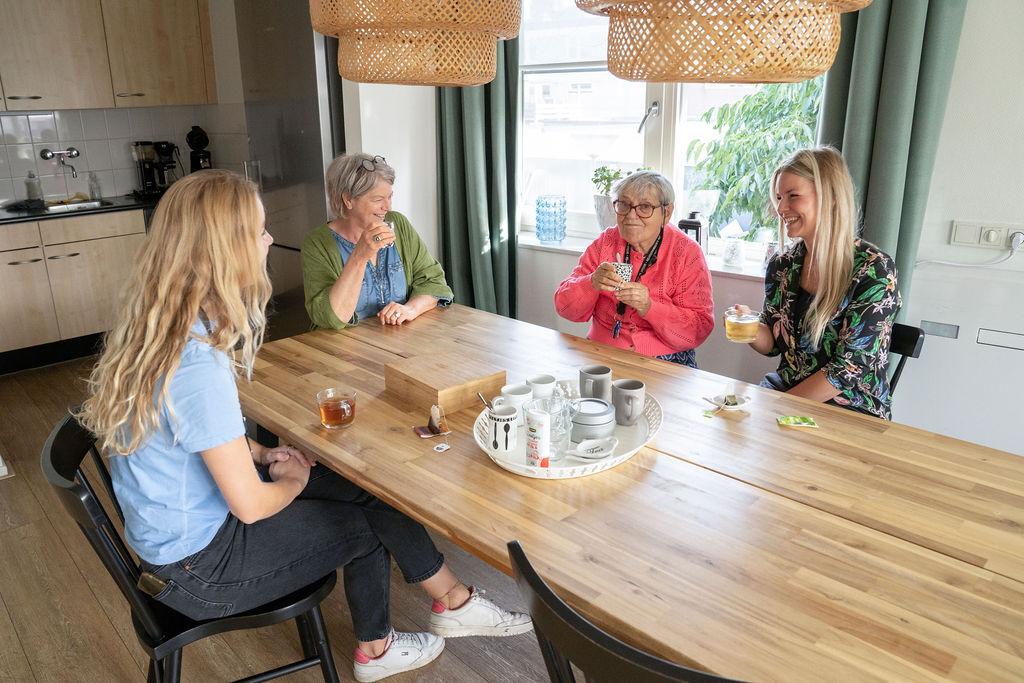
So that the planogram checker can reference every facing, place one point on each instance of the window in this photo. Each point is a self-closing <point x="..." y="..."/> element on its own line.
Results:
<point x="576" y="117"/>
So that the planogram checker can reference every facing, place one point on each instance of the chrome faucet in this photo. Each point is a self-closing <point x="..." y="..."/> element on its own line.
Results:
<point x="62" y="157"/>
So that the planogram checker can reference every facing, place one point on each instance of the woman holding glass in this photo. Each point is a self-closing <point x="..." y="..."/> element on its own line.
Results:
<point x="830" y="298"/>
<point x="664" y="307"/>
<point x="368" y="261"/>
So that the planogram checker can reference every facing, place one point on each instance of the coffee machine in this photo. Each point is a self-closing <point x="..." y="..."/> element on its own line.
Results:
<point x="199" y="157"/>
<point x="157" y="166"/>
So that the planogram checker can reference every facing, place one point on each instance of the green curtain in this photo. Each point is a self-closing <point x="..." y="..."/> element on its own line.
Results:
<point x="476" y="133"/>
<point x="884" y="101"/>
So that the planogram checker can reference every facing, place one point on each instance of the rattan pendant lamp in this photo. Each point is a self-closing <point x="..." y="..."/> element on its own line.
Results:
<point x="417" y="42"/>
<point x="721" y="41"/>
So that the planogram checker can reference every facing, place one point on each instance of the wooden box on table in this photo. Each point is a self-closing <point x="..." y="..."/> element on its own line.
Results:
<point x="450" y="382"/>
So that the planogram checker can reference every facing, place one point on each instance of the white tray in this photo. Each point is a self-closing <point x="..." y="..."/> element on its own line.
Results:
<point x="631" y="439"/>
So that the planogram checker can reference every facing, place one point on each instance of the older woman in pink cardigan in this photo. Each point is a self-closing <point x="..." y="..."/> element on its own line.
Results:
<point x="664" y="309"/>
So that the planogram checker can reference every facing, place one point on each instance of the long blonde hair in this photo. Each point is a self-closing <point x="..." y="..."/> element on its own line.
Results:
<point x="834" y="235"/>
<point x="201" y="259"/>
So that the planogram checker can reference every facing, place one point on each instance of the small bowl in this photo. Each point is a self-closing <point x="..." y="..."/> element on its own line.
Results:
<point x="740" y="402"/>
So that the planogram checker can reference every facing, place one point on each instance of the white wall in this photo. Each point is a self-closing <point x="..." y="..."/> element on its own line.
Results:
<point x="399" y="122"/>
<point x="959" y="387"/>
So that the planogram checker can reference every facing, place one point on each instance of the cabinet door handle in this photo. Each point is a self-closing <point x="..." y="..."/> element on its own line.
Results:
<point x="24" y="97"/>
<point x="129" y="94"/>
<point x="60" y="256"/>
<point x="26" y="261"/>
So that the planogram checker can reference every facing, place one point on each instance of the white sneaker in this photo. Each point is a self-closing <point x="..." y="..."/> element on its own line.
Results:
<point x="406" y="651"/>
<point x="477" y="617"/>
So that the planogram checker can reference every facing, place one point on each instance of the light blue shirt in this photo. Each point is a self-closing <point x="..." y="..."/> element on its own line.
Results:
<point x="172" y="506"/>
<point x="382" y="283"/>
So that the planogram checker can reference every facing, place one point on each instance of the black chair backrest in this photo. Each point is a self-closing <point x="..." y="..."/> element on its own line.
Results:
<point x="907" y="341"/>
<point x="566" y="638"/>
<point x="63" y="455"/>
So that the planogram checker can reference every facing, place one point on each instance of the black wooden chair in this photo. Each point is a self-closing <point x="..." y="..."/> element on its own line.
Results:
<point x="162" y="631"/>
<point x="566" y="639"/>
<point x="907" y="341"/>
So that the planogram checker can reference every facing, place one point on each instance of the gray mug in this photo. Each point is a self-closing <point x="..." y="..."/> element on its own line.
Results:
<point x="596" y="382"/>
<point x="628" y="399"/>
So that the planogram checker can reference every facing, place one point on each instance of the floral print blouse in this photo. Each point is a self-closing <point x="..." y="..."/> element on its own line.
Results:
<point x="854" y="347"/>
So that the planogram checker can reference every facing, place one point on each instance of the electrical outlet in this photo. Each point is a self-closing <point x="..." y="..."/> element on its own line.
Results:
<point x="987" y="235"/>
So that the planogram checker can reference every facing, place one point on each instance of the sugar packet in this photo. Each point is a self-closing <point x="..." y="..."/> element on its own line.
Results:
<point x="797" y="421"/>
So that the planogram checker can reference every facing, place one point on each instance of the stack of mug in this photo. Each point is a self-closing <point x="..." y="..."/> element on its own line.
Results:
<point x="554" y="413"/>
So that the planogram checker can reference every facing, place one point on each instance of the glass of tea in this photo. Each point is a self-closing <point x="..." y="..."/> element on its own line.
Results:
<point x="337" y="407"/>
<point x="741" y="327"/>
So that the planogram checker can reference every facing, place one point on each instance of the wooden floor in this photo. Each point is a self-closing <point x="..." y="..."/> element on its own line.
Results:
<point x="63" y="619"/>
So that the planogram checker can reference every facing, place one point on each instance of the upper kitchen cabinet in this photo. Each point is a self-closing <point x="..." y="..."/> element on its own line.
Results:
<point x="53" y="55"/>
<point x="156" y="51"/>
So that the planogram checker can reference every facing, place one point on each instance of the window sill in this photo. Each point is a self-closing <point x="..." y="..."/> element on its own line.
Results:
<point x="574" y="246"/>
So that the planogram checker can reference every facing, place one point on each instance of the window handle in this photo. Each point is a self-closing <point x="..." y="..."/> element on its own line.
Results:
<point x="653" y="110"/>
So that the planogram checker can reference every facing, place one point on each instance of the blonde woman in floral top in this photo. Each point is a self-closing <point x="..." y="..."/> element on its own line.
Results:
<point x="830" y="298"/>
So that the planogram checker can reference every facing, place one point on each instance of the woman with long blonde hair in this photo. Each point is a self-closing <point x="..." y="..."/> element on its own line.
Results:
<point x="830" y="298"/>
<point x="221" y="523"/>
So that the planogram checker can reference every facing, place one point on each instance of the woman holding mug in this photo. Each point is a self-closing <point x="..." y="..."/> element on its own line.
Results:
<point x="368" y="260"/>
<point x="830" y="298"/>
<point x="663" y="308"/>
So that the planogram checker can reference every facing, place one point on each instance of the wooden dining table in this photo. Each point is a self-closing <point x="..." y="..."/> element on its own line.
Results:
<point x="860" y="550"/>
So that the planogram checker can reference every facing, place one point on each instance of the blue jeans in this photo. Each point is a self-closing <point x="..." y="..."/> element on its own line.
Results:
<point x="687" y="358"/>
<point x="332" y="523"/>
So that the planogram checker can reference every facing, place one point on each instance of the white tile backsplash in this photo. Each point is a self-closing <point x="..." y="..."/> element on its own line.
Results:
<point x="21" y="159"/>
<point x="94" y="124"/>
<point x="141" y="123"/>
<point x="6" y="189"/>
<point x="125" y="180"/>
<point x="43" y="127"/>
<point x="5" y="168"/>
<point x="69" y="124"/>
<point x="98" y="153"/>
<point x="117" y="123"/>
<point x="15" y="128"/>
<point x="46" y="167"/>
<point x="121" y="153"/>
<point x="106" y="179"/>
<point x="54" y="186"/>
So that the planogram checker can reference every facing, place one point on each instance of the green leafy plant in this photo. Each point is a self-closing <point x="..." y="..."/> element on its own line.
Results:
<point x="756" y="133"/>
<point x="605" y="177"/>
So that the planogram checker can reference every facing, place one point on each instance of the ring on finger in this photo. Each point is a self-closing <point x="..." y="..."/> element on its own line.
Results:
<point x="377" y="238"/>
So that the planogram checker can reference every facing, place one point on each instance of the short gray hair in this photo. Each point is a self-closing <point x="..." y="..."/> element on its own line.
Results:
<point x="348" y="175"/>
<point x="640" y="182"/>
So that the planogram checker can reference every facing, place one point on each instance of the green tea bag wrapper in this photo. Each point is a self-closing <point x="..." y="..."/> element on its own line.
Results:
<point x="797" y="421"/>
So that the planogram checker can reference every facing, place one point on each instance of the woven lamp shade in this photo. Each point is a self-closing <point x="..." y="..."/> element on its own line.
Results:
<point x="721" y="41"/>
<point x="417" y="42"/>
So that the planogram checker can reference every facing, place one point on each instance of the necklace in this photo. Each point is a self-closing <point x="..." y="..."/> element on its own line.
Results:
<point x="650" y="258"/>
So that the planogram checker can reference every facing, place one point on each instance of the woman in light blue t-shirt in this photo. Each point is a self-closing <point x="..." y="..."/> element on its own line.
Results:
<point x="224" y="523"/>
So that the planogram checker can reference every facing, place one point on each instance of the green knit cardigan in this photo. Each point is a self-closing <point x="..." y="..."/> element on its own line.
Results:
<point x="321" y="267"/>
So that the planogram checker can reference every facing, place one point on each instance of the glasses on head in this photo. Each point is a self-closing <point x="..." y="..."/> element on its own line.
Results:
<point x="371" y="165"/>
<point x="644" y="210"/>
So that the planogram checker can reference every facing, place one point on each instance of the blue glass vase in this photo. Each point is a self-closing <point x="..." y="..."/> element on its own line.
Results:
<point x="550" y="218"/>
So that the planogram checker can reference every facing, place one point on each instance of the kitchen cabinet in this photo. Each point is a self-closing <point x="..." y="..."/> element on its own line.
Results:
<point x="27" y="316"/>
<point x="62" y="278"/>
<point x="88" y="259"/>
<point x="156" y="52"/>
<point x="53" y="55"/>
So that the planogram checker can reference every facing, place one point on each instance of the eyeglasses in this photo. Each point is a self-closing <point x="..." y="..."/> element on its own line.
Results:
<point x="369" y="165"/>
<point x="642" y="210"/>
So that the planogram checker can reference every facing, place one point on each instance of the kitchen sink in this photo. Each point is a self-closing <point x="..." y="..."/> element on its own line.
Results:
<point x="77" y="206"/>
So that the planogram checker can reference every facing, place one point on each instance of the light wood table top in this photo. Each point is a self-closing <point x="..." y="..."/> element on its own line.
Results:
<point x="863" y="550"/>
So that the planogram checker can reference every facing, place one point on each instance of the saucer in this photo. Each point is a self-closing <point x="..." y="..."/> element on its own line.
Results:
<point x="720" y="402"/>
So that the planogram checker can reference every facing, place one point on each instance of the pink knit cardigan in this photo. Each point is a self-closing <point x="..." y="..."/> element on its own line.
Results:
<point x="681" y="315"/>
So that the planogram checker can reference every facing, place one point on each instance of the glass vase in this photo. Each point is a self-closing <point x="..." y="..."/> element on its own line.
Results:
<point x="550" y="218"/>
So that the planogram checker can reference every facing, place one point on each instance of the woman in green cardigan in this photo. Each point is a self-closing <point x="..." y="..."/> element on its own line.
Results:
<point x="367" y="261"/>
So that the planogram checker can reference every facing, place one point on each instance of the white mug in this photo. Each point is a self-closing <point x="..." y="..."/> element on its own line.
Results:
<point x="502" y="433"/>
<point x="543" y="385"/>
<point x="514" y="395"/>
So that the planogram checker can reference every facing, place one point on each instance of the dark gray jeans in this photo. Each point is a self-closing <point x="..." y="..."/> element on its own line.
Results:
<point x="333" y="523"/>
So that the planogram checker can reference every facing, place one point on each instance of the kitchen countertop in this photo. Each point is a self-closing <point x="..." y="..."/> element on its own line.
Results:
<point x="123" y="203"/>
